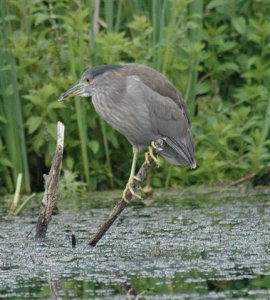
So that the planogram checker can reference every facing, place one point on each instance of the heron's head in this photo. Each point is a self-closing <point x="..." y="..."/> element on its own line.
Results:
<point x="86" y="85"/>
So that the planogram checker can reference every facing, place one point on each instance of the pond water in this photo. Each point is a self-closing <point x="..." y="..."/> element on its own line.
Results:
<point x="189" y="244"/>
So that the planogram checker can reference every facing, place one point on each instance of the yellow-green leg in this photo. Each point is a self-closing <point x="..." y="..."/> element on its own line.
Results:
<point x="132" y="173"/>
<point x="133" y="166"/>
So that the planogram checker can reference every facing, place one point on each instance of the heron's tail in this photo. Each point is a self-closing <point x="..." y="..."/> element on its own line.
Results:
<point x="180" y="152"/>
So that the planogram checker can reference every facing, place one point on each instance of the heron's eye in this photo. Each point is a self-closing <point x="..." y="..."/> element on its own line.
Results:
<point x="87" y="79"/>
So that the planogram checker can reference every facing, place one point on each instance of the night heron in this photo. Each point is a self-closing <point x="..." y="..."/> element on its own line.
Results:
<point x="141" y="104"/>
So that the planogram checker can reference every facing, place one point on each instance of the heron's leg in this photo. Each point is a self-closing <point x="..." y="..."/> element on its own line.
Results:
<point x="151" y="154"/>
<point x="133" y="166"/>
<point x="132" y="174"/>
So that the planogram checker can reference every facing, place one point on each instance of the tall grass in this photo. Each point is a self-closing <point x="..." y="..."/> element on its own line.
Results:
<point x="266" y="124"/>
<point x="10" y="107"/>
<point x="79" y="106"/>
<point x="196" y="15"/>
<point x="109" y="18"/>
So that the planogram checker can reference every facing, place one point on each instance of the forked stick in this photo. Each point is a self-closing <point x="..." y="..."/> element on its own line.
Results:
<point x="150" y="159"/>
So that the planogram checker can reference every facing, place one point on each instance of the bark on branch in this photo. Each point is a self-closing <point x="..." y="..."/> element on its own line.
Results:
<point x="51" y="181"/>
<point x="135" y="185"/>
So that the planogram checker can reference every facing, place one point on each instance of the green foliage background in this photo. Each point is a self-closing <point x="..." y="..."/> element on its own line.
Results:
<point x="216" y="52"/>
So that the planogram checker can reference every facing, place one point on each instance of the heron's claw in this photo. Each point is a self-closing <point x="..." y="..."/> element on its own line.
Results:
<point x="133" y="193"/>
<point x="131" y="190"/>
<point x="152" y="155"/>
<point x="137" y="178"/>
<point x="153" y="145"/>
<point x="158" y="144"/>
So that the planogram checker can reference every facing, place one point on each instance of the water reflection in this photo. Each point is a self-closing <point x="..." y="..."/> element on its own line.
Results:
<point x="128" y="289"/>
<point x="56" y="288"/>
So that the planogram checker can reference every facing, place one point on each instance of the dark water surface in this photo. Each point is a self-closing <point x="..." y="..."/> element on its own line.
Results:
<point x="203" y="244"/>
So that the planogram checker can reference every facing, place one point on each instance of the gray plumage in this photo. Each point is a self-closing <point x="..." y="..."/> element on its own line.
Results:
<point x="141" y="104"/>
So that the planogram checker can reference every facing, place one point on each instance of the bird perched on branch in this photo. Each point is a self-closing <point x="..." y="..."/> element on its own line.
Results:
<point x="141" y="104"/>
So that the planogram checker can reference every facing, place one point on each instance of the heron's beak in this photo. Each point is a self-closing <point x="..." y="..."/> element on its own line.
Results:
<point x="76" y="90"/>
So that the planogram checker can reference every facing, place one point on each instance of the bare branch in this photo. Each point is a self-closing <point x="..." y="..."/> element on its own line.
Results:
<point x="51" y="181"/>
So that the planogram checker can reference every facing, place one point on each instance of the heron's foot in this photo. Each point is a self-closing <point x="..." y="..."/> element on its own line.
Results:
<point x="153" y="145"/>
<point x="158" y="144"/>
<point x="136" y="178"/>
<point x="148" y="190"/>
<point x="152" y="155"/>
<point x="131" y="190"/>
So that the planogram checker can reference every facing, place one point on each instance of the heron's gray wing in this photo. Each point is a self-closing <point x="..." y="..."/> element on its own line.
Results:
<point x="158" y="83"/>
<point x="167" y="120"/>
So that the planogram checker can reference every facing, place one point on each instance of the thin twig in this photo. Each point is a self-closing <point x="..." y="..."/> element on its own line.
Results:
<point x="135" y="185"/>
<point x="244" y="179"/>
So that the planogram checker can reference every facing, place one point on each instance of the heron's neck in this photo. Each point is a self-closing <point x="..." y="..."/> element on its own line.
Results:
<point x="108" y="87"/>
<point x="106" y="98"/>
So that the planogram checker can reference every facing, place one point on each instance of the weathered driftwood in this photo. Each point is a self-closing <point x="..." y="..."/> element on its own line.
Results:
<point x="51" y="181"/>
<point x="135" y="185"/>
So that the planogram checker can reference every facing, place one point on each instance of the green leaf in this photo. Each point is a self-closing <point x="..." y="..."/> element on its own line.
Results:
<point x="94" y="146"/>
<point x="51" y="128"/>
<point x="69" y="162"/>
<point x="35" y="99"/>
<point x="203" y="87"/>
<point x="3" y="120"/>
<point x="239" y="25"/>
<point x="216" y="3"/>
<point x="40" y="18"/>
<point x="33" y="123"/>
<point x="228" y="66"/>
<point x="5" y="162"/>
<point x="55" y="105"/>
